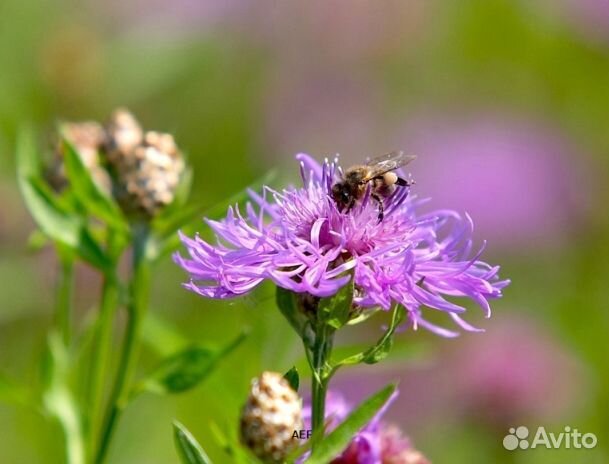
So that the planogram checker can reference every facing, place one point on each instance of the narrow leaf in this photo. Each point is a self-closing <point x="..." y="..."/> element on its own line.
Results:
<point x="189" y="450"/>
<point x="88" y="249"/>
<point x="337" y="440"/>
<point x="382" y="347"/>
<point x="228" y="441"/>
<point x="50" y="213"/>
<point x="293" y="378"/>
<point x="88" y="193"/>
<point x="187" y="368"/>
<point x="182" y="371"/>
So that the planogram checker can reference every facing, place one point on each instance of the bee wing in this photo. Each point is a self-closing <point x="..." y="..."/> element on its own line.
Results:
<point x="389" y="162"/>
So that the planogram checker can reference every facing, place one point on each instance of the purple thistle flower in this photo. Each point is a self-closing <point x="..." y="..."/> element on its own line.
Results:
<point x="308" y="245"/>
<point x="377" y="443"/>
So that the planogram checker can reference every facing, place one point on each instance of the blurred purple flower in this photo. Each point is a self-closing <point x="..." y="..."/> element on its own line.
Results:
<point x="506" y="377"/>
<point x="306" y="109"/>
<point x="588" y="18"/>
<point x="377" y="443"/>
<point x="310" y="246"/>
<point x="329" y="32"/>
<point x="517" y="178"/>
<point x="591" y="17"/>
<point x="167" y="18"/>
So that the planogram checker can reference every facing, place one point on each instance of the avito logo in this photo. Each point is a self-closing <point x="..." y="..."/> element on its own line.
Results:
<point x="569" y="438"/>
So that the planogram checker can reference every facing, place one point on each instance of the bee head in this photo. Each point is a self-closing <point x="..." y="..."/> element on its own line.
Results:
<point x="341" y="194"/>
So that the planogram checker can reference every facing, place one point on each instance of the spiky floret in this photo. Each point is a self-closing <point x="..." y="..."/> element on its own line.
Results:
<point x="303" y="242"/>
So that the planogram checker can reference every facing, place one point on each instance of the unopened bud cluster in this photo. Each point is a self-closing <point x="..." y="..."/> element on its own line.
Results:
<point x="141" y="169"/>
<point x="87" y="138"/>
<point x="272" y="412"/>
<point x="147" y="165"/>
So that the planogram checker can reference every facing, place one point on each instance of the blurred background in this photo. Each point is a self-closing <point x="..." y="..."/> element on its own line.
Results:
<point x="506" y="104"/>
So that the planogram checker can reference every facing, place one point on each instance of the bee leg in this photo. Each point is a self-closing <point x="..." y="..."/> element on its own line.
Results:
<point x="350" y="205"/>
<point x="379" y="200"/>
<point x="403" y="182"/>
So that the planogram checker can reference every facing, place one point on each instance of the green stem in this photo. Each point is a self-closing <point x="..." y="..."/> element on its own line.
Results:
<point x="136" y="309"/>
<point x="65" y="290"/>
<point x="57" y="392"/>
<point x="322" y="349"/>
<point x="101" y="354"/>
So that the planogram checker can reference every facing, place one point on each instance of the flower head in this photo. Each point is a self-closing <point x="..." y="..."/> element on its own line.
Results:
<point x="142" y="170"/>
<point x="148" y="165"/>
<point x="377" y="443"/>
<point x="87" y="138"/>
<point x="309" y="245"/>
<point x="272" y="413"/>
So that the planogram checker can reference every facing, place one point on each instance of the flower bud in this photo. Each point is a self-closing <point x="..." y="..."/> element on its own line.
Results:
<point x="87" y="139"/>
<point x="124" y="133"/>
<point x="271" y="415"/>
<point x="147" y="167"/>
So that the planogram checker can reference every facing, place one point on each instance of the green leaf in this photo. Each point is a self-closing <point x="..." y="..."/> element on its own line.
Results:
<point x="363" y="316"/>
<point x="188" y="448"/>
<point x="187" y="368"/>
<point x="382" y="347"/>
<point x="337" y="440"/>
<point x="89" y="250"/>
<point x="161" y="336"/>
<point x="181" y="371"/>
<point x="335" y="310"/>
<point x="293" y="378"/>
<point x="88" y="193"/>
<point x="229" y="442"/>
<point x="288" y="306"/>
<point x="50" y="213"/>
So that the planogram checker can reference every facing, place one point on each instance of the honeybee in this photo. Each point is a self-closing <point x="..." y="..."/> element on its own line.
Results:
<point x="379" y="171"/>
